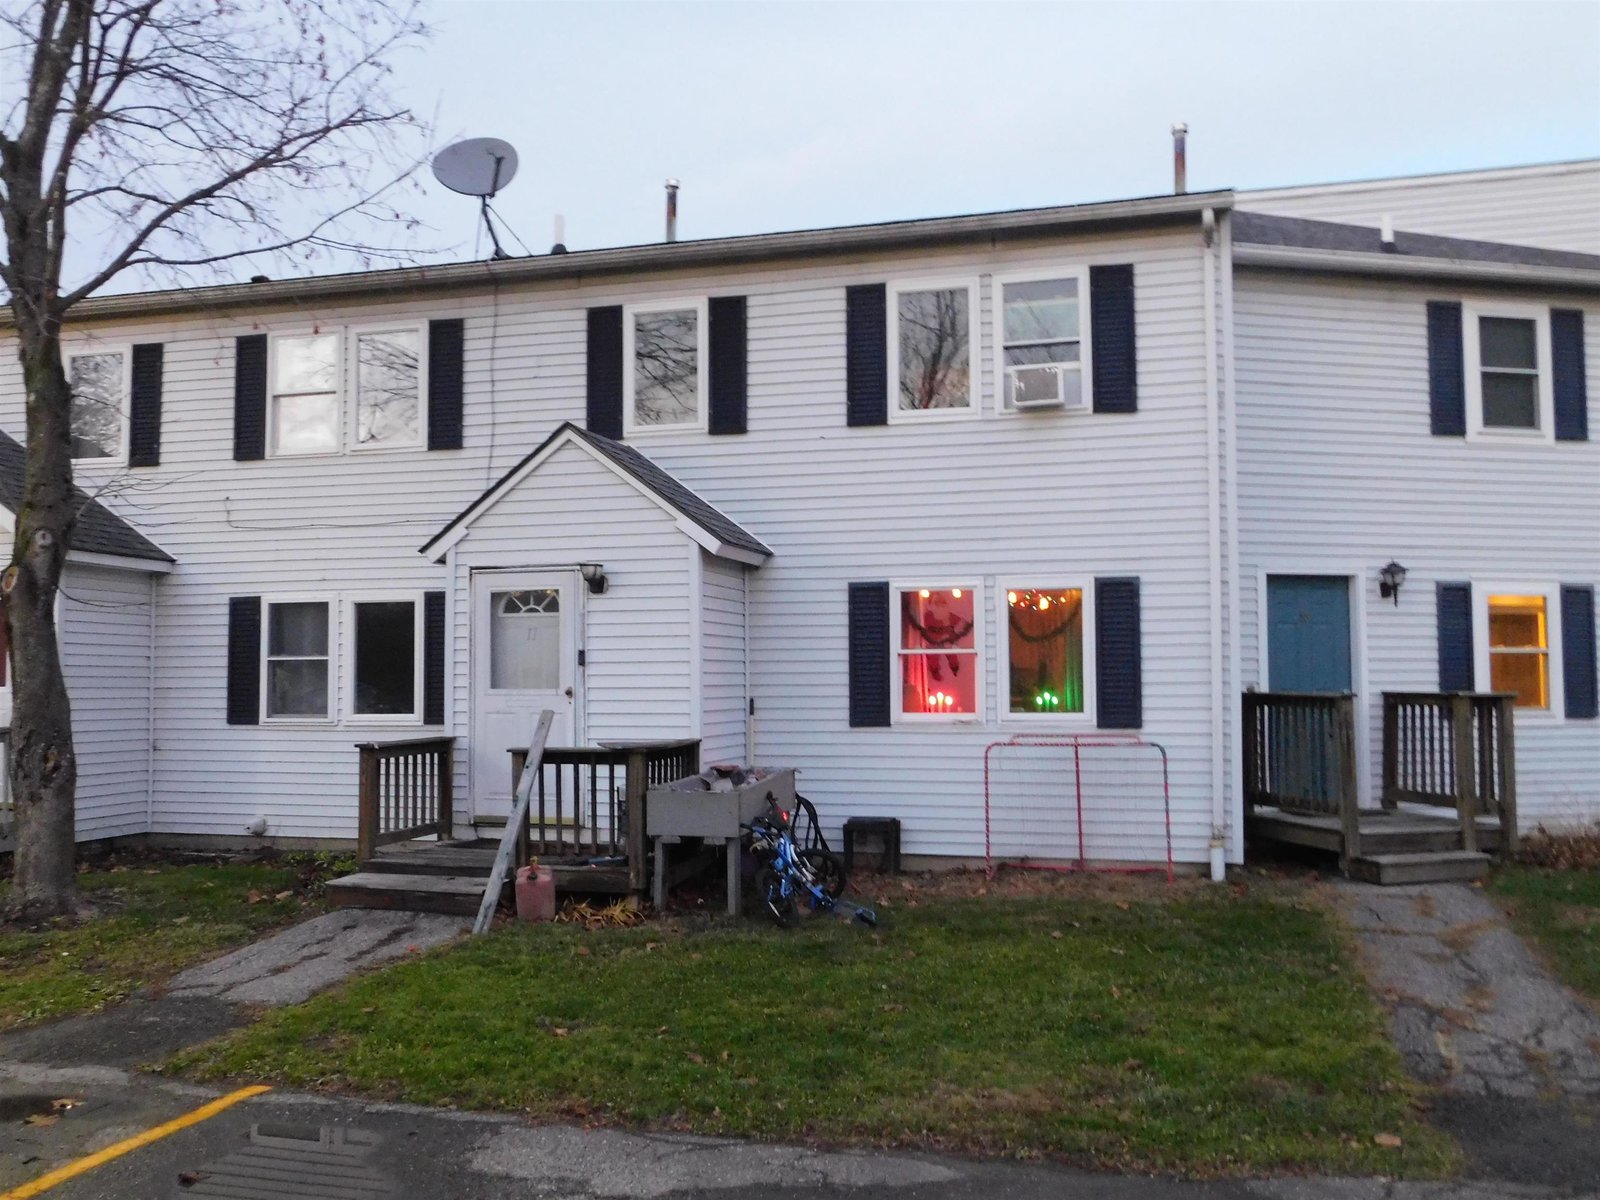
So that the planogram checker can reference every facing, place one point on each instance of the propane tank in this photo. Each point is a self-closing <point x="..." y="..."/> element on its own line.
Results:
<point x="536" y="894"/>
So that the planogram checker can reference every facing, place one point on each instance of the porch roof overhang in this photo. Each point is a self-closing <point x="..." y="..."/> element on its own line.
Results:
<point x="703" y="523"/>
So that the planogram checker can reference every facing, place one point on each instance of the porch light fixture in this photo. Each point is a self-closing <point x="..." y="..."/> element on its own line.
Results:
<point x="595" y="576"/>
<point x="1390" y="578"/>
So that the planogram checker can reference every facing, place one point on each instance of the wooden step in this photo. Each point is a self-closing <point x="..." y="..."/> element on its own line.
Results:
<point x="408" y="893"/>
<point x="433" y="859"/>
<point x="1437" y="867"/>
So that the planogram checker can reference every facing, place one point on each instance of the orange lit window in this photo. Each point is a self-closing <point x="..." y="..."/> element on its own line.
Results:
<point x="1044" y="639"/>
<point x="1519" y="649"/>
<point x="938" y="652"/>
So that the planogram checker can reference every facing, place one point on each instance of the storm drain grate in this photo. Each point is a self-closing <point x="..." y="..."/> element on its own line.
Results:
<point x="302" y="1162"/>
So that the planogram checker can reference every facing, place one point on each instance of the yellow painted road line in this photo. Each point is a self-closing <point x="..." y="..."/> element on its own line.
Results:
<point x="100" y="1157"/>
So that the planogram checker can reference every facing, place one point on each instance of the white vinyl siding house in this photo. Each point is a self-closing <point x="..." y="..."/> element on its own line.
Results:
<point x="1234" y="423"/>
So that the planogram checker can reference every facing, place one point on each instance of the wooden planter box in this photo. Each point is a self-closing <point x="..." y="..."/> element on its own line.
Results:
<point x="683" y="809"/>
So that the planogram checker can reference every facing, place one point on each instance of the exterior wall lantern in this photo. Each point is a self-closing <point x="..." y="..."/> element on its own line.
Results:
<point x="1390" y="578"/>
<point x="595" y="576"/>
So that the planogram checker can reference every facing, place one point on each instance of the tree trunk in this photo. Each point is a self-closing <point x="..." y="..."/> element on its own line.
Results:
<point x="44" y="765"/>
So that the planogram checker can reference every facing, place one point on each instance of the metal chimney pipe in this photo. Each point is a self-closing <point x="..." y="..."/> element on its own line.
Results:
<point x="1180" y="160"/>
<point x="672" y="210"/>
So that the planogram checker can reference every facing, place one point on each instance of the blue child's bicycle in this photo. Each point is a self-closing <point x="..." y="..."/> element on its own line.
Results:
<point x="791" y="880"/>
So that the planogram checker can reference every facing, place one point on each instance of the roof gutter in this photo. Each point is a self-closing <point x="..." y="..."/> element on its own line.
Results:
<point x="660" y="256"/>
<point x="1350" y="262"/>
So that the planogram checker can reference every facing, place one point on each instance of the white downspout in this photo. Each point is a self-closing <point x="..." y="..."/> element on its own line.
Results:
<point x="150" y="741"/>
<point x="1230" y="451"/>
<point x="1214" y="538"/>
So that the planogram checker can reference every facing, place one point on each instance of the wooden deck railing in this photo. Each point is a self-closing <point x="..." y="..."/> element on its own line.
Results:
<point x="1454" y="750"/>
<point x="1300" y="756"/>
<point x="590" y="800"/>
<point x="406" y="791"/>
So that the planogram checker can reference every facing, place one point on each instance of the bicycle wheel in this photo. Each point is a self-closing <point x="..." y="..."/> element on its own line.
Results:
<point x="827" y="868"/>
<point x="769" y="892"/>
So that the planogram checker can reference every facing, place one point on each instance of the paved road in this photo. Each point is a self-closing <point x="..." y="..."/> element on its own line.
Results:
<point x="281" y="1145"/>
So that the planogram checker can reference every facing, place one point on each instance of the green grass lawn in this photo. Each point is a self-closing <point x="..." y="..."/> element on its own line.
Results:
<point x="150" y="922"/>
<point x="1201" y="1033"/>
<point x="1560" y="912"/>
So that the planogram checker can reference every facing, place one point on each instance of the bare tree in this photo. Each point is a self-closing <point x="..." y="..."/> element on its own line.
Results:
<point x="166" y="137"/>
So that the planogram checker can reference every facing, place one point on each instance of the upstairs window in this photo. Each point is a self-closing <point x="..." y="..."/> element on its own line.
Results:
<point x="99" y="382"/>
<point x="932" y="336"/>
<point x="1045" y="651"/>
<point x="1519" y="649"/>
<point x="938" y="652"/>
<point x="664" y="352"/>
<point x="345" y="388"/>
<point x="1508" y="370"/>
<point x="1043" y="342"/>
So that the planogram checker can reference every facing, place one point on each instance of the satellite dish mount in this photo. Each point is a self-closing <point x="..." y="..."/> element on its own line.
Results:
<point x="478" y="167"/>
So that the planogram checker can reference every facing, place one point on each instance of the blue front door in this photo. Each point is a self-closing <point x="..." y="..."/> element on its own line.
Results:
<point x="1308" y="633"/>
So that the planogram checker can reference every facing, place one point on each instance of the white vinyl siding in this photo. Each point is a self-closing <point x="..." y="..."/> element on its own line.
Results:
<point x="723" y="662"/>
<point x="1556" y="205"/>
<point x="1338" y="468"/>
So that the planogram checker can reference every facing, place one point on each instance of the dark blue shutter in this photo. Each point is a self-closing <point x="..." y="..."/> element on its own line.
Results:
<point x="244" y="660"/>
<point x="1578" y="667"/>
<point x="433" y="658"/>
<point x="144" y="406"/>
<point x="1119" y="659"/>
<point x="869" y="654"/>
<point x="605" y="371"/>
<point x="250" y="397"/>
<point x="445" y="371"/>
<point x="1111" y="338"/>
<point x="1454" y="602"/>
<point x="1568" y="375"/>
<point x="866" y="316"/>
<point x="1447" y="379"/>
<point x="728" y="364"/>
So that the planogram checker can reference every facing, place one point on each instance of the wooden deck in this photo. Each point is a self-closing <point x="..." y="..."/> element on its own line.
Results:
<point x="1397" y="846"/>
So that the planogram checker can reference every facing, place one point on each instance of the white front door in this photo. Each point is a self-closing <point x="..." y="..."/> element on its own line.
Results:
<point x="524" y="660"/>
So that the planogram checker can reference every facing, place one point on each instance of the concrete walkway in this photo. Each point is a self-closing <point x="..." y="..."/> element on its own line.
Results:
<point x="292" y="966"/>
<point x="1514" y="1053"/>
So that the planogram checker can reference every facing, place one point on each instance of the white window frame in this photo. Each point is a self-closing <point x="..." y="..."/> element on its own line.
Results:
<point x="331" y="716"/>
<point x="1471" y="313"/>
<point x="702" y="340"/>
<point x="347" y="387"/>
<point x="348" y="657"/>
<point x="974" y="408"/>
<point x="898" y="715"/>
<point x="82" y="349"/>
<point x="1551" y="593"/>
<point x="352" y="368"/>
<point x="1088" y="718"/>
<point x="1079" y="272"/>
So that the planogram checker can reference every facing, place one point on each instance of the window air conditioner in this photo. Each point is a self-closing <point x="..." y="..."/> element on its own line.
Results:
<point x="1041" y="387"/>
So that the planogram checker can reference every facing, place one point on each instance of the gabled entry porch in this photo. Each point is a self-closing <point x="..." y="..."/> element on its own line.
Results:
<point x="1448" y="797"/>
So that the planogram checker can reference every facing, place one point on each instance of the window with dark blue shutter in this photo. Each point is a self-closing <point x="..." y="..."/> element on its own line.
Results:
<point x="144" y="406"/>
<point x="605" y="371"/>
<point x="726" y="315"/>
<point x="433" y="669"/>
<point x="1119" y="660"/>
<point x="1447" y="382"/>
<point x="869" y="654"/>
<point x="250" y="397"/>
<point x="1454" y="615"/>
<point x="866" y="355"/>
<point x="1569" y="379"/>
<point x="1111" y="337"/>
<point x="445" y="383"/>
<point x="1580" y="675"/>
<point x="244" y="660"/>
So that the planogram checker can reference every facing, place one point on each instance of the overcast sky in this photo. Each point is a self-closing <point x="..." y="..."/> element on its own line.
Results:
<point x="789" y="115"/>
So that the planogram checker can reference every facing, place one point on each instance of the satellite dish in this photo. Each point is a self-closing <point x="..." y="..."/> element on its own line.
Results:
<point x="476" y="167"/>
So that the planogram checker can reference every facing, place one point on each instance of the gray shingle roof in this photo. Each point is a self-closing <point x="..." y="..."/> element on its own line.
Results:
<point x="668" y="489"/>
<point x="99" y="530"/>
<point x="1300" y="233"/>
